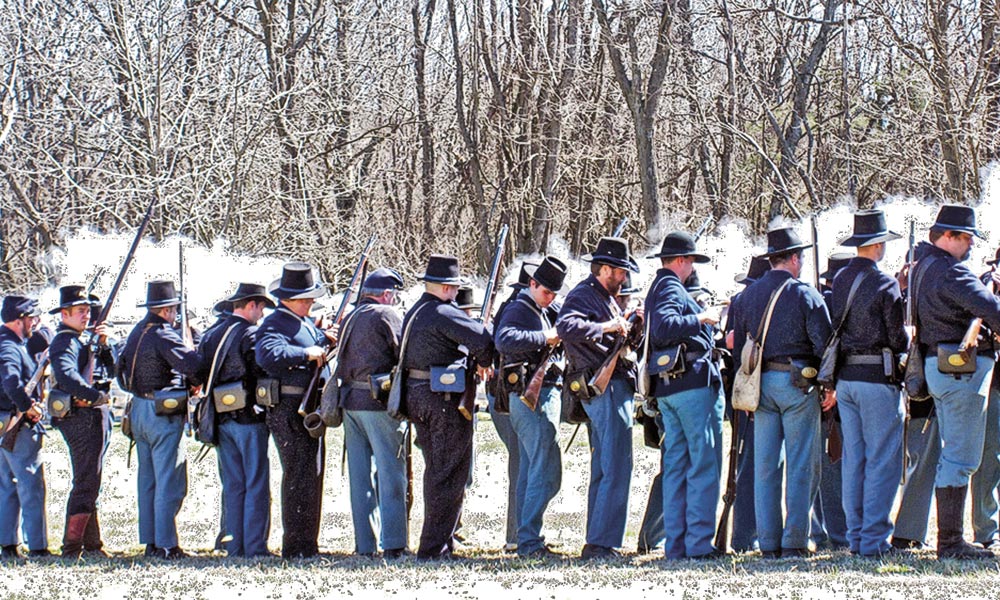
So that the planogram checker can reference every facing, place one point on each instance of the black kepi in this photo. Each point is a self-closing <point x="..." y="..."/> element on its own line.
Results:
<point x="296" y="283"/>
<point x="613" y="251"/>
<point x="250" y="291"/>
<point x="956" y="217"/>
<point x="443" y="269"/>
<point x="71" y="295"/>
<point x="679" y="243"/>
<point x="550" y="273"/>
<point x="160" y="293"/>
<point x="869" y="228"/>
<point x="782" y="240"/>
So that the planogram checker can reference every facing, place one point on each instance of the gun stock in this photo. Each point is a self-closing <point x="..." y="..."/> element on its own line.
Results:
<point x="534" y="388"/>
<point x="9" y="433"/>
<point x="729" y="498"/>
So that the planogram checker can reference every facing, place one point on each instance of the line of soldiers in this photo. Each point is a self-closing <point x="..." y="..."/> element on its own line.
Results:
<point x="586" y="358"/>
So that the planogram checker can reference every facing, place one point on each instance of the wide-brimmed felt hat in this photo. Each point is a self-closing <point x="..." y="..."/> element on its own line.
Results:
<point x="443" y="269"/>
<point x="679" y="243"/>
<point x="834" y="264"/>
<point x="71" y="295"/>
<point x="524" y="275"/>
<point x="248" y="291"/>
<point x="995" y="260"/>
<point x="956" y="217"/>
<point x="383" y="278"/>
<point x="869" y="228"/>
<point x="758" y="266"/>
<point x="17" y="307"/>
<point x="296" y="283"/>
<point x="465" y="299"/>
<point x="160" y="293"/>
<point x="550" y="273"/>
<point x="613" y="251"/>
<point x="782" y="240"/>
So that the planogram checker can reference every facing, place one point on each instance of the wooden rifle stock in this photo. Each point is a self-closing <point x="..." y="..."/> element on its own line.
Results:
<point x="310" y="400"/>
<point x="834" y="443"/>
<point x="534" y="387"/>
<point x="729" y="498"/>
<point x="14" y="425"/>
<point x="467" y="405"/>
<point x="600" y="380"/>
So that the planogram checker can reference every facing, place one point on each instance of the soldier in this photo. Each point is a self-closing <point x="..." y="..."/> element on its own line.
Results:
<point x="369" y="351"/>
<point x="22" y="475"/>
<point x="152" y="366"/>
<point x="589" y="323"/>
<point x="524" y="334"/>
<point x="445" y="342"/>
<point x="87" y="426"/>
<point x="987" y="477"/>
<point x="288" y="341"/>
<point x="688" y="387"/>
<point x="242" y="451"/>
<point x="501" y="419"/>
<point x="948" y="297"/>
<point x="789" y="411"/>
<point x="868" y="395"/>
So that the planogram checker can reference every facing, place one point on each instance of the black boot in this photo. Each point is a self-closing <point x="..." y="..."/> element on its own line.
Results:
<point x="950" y="514"/>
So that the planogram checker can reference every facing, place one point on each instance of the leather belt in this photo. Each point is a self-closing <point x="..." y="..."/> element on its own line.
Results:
<point x="418" y="374"/>
<point x="777" y="366"/>
<point x="356" y="385"/>
<point x="863" y="359"/>
<point x="293" y="390"/>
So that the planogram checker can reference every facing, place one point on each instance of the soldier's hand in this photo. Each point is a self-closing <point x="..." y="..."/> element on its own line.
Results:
<point x="711" y="315"/>
<point x="616" y="324"/>
<point x="333" y="334"/>
<point x="903" y="277"/>
<point x="101" y="331"/>
<point x="551" y="337"/>
<point x="829" y="400"/>
<point x="485" y="373"/>
<point x="34" y="413"/>
<point x="315" y="353"/>
<point x="102" y="400"/>
<point x="639" y="312"/>
<point x="996" y="281"/>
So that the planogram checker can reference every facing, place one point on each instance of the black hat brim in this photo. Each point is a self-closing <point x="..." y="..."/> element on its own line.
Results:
<point x="275" y="289"/>
<point x="858" y="241"/>
<point x="160" y="303"/>
<point x="968" y="230"/>
<point x="56" y="310"/>
<point x="237" y="297"/>
<point x="443" y="280"/>
<point x="786" y="250"/>
<point x="698" y="258"/>
<point x="629" y="265"/>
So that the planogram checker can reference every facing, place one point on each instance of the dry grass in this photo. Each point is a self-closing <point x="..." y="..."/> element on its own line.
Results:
<point x="484" y="571"/>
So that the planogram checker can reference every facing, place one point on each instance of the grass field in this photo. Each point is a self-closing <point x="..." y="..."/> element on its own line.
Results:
<point x="484" y="571"/>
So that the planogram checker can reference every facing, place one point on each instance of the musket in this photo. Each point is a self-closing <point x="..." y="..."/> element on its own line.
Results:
<point x="309" y="400"/>
<point x="185" y="326"/>
<point x="467" y="406"/>
<point x="736" y="442"/>
<point x="602" y="377"/>
<point x="908" y="320"/>
<point x="621" y="228"/>
<point x="704" y="227"/>
<point x="815" y="241"/>
<point x="14" y="425"/>
<point x="534" y="387"/>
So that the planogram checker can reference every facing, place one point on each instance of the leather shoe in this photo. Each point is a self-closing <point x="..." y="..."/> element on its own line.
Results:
<point x="770" y="553"/>
<point x="43" y="553"/>
<point x="174" y="553"/>
<point x="541" y="552"/>
<point x="152" y="551"/>
<point x="394" y="553"/>
<point x="796" y="552"/>
<point x="714" y="554"/>
<point x="906" y="544"/>
<point x="591" y="551"/>
<point x="95" y="553"/>
<point x="9" y="552"/>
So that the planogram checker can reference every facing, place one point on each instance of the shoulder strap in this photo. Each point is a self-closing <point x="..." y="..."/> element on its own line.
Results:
<point x="647" y="319"/>
<point x="220" y="350"/>
<point x="131" y="374"/>
<point x="917" y="279"/>
<point x="348" y="328"/>
<point x="766" y="323"/>
<point x="406" y="335"/>
<point x="850" y="300"/>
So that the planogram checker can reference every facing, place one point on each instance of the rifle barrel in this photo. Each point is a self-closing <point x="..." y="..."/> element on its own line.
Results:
<point x="125" y="265"/>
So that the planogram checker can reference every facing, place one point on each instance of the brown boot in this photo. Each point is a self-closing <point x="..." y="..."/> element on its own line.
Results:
<point x="92" y="543"/>
<point x="76" y="525"/>
<point x="950" y="513"/>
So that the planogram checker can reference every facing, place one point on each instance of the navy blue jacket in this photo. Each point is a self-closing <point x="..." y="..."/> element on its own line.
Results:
<point x="800" y="325"/>
<point x="586" y="308"/>
<point x="70" y="360"/>
<point x="439" y="331"/>
<point x="520" y="334"/>
<point x="673" y="320"/>
<point x="874" y="321"/>
<point x="949" y="297"/>
<point x="159" y="362"/>
<point x="16" y="369"/>
<point x="371" y="347"/>
<point x="237" y="364"/>
<point x="282" y="340"/>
